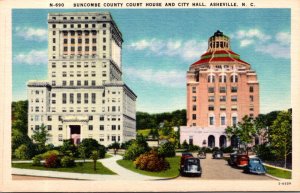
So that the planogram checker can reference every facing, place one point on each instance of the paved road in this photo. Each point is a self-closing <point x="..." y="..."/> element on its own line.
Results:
<point x="218" y="169"/>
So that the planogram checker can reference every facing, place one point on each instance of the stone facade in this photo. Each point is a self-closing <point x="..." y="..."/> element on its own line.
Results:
<point x="221" y="90"/>
<point x="84" y="96"/>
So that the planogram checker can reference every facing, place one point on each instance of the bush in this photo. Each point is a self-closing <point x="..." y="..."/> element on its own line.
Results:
<point x="49" y="153"/>
<point x="126" y="144"/>
<point x="167" y="150"/>
<point x="52" y="161"/>
<point x="264" y="152"/>
<point x="228" y="149"/>
<point x="134" y="150"/>
<point x="68" y="148"/>
<point x="22" y="152"/>
<point x="151" y="161"/>
<point x="102" y="151"/>
<point x="89" y="145"/>
<point x="67" y="161"/>
<point x="215" y="149"/>
<point x="36" y="160"/>
<point x="185" y="145"/>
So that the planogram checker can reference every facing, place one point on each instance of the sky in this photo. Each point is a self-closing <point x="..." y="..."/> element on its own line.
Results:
<point x="160" y="45"/>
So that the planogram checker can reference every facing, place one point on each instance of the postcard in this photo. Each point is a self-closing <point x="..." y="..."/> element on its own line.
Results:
<point x="122" y="96"/>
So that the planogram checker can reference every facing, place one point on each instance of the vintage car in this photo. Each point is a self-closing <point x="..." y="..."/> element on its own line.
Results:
<point x="255" y="166"/>
<point x="190" y="166"/>
<point x="201" y="155"/>
<point x="217" y="154"/>
<point x="233" y="158"/>
<point x="242" y="160"/>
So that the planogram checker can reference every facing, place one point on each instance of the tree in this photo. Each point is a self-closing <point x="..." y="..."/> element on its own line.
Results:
<point x="82" y="151"/>
<point x="68" y="148"/>
<point x="94" y="157"/>
<point x="281" y="135"/>
<point x="40" y="137"/>
<point x="88" y="145"/>
<point x="244" y="130"/>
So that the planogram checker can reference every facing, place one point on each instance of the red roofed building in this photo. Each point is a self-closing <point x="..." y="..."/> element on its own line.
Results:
<point x="221" y="90"/>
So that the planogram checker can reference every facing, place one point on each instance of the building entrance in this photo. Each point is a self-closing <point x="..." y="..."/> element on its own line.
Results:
<point x="75" y="133"/>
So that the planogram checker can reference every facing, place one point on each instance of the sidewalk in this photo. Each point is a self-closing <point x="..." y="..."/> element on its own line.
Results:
<point x="122" y="173"/>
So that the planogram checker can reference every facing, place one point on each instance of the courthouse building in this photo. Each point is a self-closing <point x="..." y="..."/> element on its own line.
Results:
<point x="84" y="96"/>
<point x="221" y="90"/>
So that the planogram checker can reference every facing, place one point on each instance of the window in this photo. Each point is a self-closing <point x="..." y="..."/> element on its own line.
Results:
<point x="193" y="89"/>
<point x="64" y="83"/>
<point x="251" y="89"/>
<point x="104" y="40"/>
<point x="78" y="83"/>
<point x="64" y="98"/>
<point x="222" y="78"/>
<point x="113" y="127"/>
<point x="223" y="120"/>
<point x="60" y="128"/>
<point x="72" y="49"/>
<point x="104" y="48"/>
<point x="87" y="40"/>
<point x="53" y="26"/>
<point x="113" y="109"/>
<point x="86" y="83"/>
<point x="234" y="108"/>
<point x="251" y="98"/>
<point x="211" y="108"/>
<point x="54" y="33"/>
<point x="222" y="98"/>
<point x="86" y="98"/>
<point x="211" y="78"/>
<point x="94" y="48"/>
<point x="222" y="108"/>
<point x="194" y="98"/>
<point x="234" y="89"/>
<point x="79" y="48"/>
<point x="222" y="89"/>
<point x="211" y="120"/>
<point x="72" y="41"/>
<point x="211" y="89"/>
<point x="234" y="78"/>
<point x="251" y="108"/>
<point x="211" y="98"/>
<point x="53" y="40"/>
<point x="194" y="107"/>
<point x="94" y="40"/>
<point x="93" y="98"/>
<point x="94" y="33"/>
<point x="78" y="98"/>
<point x="79" y="41"/>
<point x="234" y="121"/>
<point x="90" y="118"/>
<point x="86" y="26"/>
<point x="101" y="127"/>
<point x="53" y="48"/>
<point x="93" y="83"/>
<point x="60" y="137"/>
<point x="104" y="25"/>
<point x="104" y="32"/>
<point x="49" y="127"/>
<point x="86" y="48"/>
<point x="65" y="49"/>
<point x="194" y="116"/>
<point x="64" y="74"/>
<point x="113" y="138"/>
<point x="72" y="33"/>
<point x="90" y="127"/>
<point x="53" y="95"/>
<point x="49" y="118"/>
<point x="71" y="98"/>
<point x="233" y="98"/>
<point x="71" y="82"/>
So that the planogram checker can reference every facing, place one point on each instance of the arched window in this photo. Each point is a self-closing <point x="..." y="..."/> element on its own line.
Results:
<point x="211" y="78"/>
<point x="222" y="78"/>
<point x="233" y="78"/>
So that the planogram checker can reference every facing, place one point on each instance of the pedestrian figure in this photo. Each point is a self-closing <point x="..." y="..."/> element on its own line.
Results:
<point x="115" y="151"/>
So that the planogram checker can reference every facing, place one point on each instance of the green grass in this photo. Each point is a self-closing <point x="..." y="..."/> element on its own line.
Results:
<point x="279" y="173"/>
<point x="170" y="173"/>
<point x="107" y="156"/>
<point x="87" y="168"/>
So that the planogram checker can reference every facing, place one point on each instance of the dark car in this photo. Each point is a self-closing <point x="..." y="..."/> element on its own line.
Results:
<point x="190" y="166"/>
<point x="242" y="160"/>
<point x="217" y="154"/>
<point x="186" y="154"/>
<point x="255" y="166"/>
<point x="232" y="161"/>
<point x="201" y="155"/>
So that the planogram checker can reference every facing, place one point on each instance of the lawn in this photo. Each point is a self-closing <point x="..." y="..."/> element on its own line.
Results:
<point x="86" y="168"/>
<point x="279" y="173"/>
<point x="170" y="173"/>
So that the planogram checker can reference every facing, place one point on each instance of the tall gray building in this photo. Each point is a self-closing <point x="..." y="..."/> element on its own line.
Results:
<point x="84" y="96"/>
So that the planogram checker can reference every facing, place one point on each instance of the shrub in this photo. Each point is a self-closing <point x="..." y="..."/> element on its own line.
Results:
<point x="167" y="150"/>
<point x="52" y="161"/>
<point x="67" y="161"/>
<point x="151" y="161"/>
<point x="36" y="160"/>
<point x="215" y="149"/>
<point x="88" y="145"/>
<point x="49" y="153"/>
<point x="22" y="152"/>
<point x="68" y="148"/>
<point x="185" y="145"/>
<point x="228" y="149"/>
<point x="133" y="151"/>
<point x="101" y="151"/>
<point x="126" y="144"/>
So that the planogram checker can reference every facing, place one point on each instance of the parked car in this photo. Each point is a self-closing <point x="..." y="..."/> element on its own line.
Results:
<point x="217" y="154"/>
<point x="255" y="166"/>
<point x="190" y="166"/>
<point x="232" y="161"/>
<point x="242" y="160"/>
<point x="186" y="154"/>
<point x="201" y="155"/>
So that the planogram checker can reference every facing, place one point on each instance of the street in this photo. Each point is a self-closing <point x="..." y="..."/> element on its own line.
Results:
<point x="218" y="169"/>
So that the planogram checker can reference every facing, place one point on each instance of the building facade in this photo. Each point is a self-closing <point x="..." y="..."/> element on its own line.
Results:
<point x="84" y="96"/>
<point x="221" y="90"/>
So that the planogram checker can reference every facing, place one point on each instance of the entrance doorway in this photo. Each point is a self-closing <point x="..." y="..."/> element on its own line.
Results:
<point x="211" y="141"/>
<point x="75" y="133"/>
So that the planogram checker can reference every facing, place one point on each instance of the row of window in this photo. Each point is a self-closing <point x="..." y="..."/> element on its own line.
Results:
<point x="223" y="98"/>
<point x="90" y="127"/>
<point x="79" y="40"/>
<point x="222" y="78"/>
<point x="91" y="117"/>
<point x="211" y="120"/>
<point x="78" y="82"/>
<point x="78" y="65"/>
<point x="223" y="89"/>
<point x="79" y="25"/>
<point x="222" y="108"/>
<point x="72" y="18"/>
<point x="78" y="73"/>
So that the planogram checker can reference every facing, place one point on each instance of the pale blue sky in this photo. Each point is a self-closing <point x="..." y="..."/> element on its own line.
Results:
<point x="160" y="44"/>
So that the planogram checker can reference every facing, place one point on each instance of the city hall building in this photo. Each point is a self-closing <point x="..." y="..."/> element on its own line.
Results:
<point x="221" y="90"/>
<point x="84" y="96"/>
